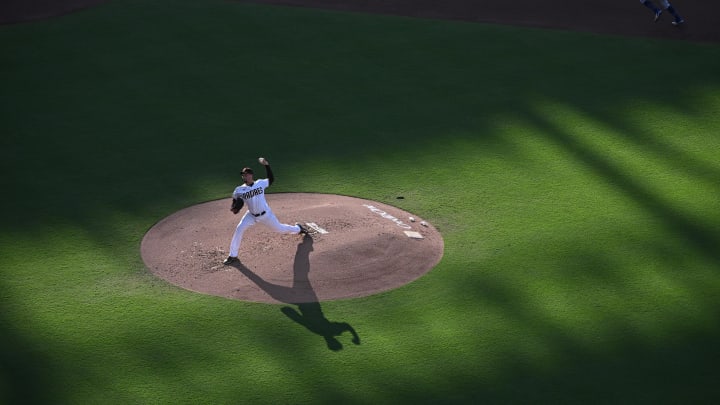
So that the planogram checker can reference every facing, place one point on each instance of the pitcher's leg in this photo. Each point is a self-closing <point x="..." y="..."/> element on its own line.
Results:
<point x="271" y="220"/>
<point x="246" y="222"/>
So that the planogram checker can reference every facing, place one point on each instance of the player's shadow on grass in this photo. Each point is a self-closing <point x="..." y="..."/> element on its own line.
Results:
<point x="309" y="312"/>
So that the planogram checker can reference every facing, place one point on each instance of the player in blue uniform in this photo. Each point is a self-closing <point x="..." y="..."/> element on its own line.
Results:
<point x="658" y="12"/>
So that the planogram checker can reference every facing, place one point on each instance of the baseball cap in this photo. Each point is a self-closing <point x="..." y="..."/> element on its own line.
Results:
<point x="247" y="170"/>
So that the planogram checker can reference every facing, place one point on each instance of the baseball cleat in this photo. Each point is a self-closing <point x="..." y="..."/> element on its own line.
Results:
<point x="303" y="230"/>
<point x="678" y="22"/>
<point x="657" y="15"/>
<point x="230" y="260"/>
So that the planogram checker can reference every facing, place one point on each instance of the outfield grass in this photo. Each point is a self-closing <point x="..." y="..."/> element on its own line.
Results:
<point x="574" y="177"/>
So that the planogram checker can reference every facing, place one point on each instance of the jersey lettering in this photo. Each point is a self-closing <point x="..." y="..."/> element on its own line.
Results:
<point x="252" y="193"/>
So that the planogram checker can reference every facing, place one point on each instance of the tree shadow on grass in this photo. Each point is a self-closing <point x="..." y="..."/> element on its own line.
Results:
<point x="309" y="313"/>
<point x="704" y="239"/>
<point x="25" y="368"/>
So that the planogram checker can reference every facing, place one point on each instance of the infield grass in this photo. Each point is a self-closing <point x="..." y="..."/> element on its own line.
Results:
<point x="574" y="177"/>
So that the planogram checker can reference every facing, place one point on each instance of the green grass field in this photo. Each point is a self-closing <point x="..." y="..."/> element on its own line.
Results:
<point x="574" y="177"/>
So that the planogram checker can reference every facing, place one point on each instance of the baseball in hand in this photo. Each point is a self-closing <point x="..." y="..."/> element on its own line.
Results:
<point x="262" y="161"/>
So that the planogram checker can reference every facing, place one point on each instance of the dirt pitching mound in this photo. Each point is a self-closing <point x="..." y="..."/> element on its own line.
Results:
<point x="355" y="248"/>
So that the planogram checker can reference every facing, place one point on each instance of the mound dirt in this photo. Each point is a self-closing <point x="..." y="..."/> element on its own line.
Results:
<point x="355" y="248"/>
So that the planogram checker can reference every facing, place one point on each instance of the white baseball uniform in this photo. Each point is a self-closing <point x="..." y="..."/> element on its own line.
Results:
<point x="258" y="211"/>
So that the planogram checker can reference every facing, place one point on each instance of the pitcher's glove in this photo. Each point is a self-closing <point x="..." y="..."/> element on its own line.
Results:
<point x="237" y="204"/>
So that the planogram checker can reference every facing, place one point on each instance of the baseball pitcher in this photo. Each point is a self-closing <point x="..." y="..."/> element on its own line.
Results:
<point x="252" y="194"/>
